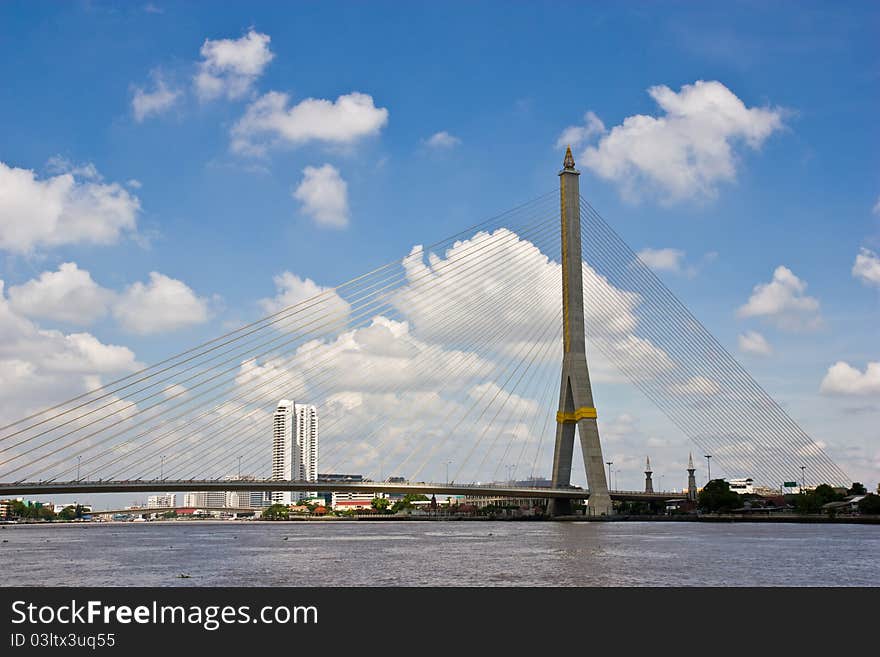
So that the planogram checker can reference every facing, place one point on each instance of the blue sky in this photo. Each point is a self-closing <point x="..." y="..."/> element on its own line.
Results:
<point x="502" y="81"/>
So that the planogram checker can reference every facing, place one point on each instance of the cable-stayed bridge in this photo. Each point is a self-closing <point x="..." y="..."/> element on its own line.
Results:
<point x="448" y="356"/>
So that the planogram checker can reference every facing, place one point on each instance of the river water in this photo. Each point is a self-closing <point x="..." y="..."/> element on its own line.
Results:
<point x="248" y="553"/>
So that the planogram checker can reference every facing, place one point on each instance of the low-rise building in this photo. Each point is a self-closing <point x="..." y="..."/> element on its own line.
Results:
<point x="742" y="485"/>
<point x="482" y="501"/>
<point x="846" y="506"/>
<point x="355" y="501"/>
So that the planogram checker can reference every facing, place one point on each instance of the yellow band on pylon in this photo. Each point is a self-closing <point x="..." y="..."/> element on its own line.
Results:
<point x="584" y="412"/>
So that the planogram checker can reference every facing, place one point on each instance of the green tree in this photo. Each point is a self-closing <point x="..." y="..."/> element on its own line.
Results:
<point x="381" y="504"/>
<point x="67" y="513"/>
<point x="826" y="493"/>
<point x="716" y="497"/>
<point x="407" y="501"/>
<point x="857" y="488"/>
<point x="812" y="501"/>
<point x="871" y="504"/>
<point x="807" y="502"/>
<point x="276" y="512"/>
<point x="18" y="509"/>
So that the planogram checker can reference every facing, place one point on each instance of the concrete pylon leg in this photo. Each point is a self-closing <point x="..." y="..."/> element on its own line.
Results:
<point x="563" y="451"/>
<point x="576" y="395"/>
<point x="599" y="503"/>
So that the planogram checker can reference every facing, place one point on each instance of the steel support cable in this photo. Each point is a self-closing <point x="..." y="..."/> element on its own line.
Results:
<point x="522" y="207"/>
<point x="494" y="442"/>
<point x="424" y="355"/>
<point x="689" y="416"/>
<point x="433" y="299"/>
<point x="797" y="438"/>
<point x="498" y="333"/>
<point x="149" y="408"/>
<point x="717" y="373"/>
<point x="415" y="304"/>
<point x="539" y="447"/>
<point x="735" y="373"/>
<point x="505" y="283"/>
<point x="544" y="400"/>
<point x="512" y="357"/>
<point x="516" y="358"/>
<point x="540" y="419"/>
<point x="460" y="364"/>
<point x="116" y="446"/>
<point x="483" y="412"/>
<point x="657" y="369"/>
<point x="521" y="422"/>
<point x="542" y="351"/>
<point x="547" y="344"/>
<point x="664" y="333"/>
<point x="345" y="316"/>
<point x="770" y="456"/>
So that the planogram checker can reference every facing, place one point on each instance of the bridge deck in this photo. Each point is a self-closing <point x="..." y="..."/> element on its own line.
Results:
<point x="425" y="488"/>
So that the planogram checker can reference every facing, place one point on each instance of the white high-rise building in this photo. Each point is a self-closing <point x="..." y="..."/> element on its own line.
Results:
<point x="195" y="500"/>
<point x="162" y="501"/>
<point x="294" y="448"/>
<point x="215" y="499"/>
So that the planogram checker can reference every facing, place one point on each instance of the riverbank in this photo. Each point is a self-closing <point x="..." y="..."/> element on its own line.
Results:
<point x="710" y="518"/>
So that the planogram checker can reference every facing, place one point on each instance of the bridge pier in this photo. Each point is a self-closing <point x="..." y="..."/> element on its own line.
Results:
<point x="576" y="409"/>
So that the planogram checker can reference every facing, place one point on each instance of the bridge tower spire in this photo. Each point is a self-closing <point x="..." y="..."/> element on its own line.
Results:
<point x="576" y="408"/>
<point x="692" y="480"/>
<point x="649" y="484"/>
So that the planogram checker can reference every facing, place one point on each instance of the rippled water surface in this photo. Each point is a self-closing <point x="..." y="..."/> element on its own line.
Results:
<point x="248" y="553"/>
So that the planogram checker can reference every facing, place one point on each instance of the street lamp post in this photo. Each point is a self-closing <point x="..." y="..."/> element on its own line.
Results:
<point x="162" y="468"/>
<point x="609" y="464"/>
<point x="803" y="478"/>
<point x="708" y="466"/>
<point x="78" y="461"/>
<point x="447" y="472"/>
<point x="239" y="467"/>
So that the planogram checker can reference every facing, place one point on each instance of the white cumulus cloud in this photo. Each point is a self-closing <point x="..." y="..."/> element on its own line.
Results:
<point x="575" y="135"/>
<point x="685" y="152"/>
<point x="269" y="120"/>
<point x="697" y="385"/>
<point x="146" y="103"/>
<point x="442" y="140"/>
<point x="324" y="196"/>
<point x="844" y="379"/>
<point x="40" y="367"/>
<point x="752" y="342"/>
<point x="662" y="259"/>
<point x="67" y="208"/>
<point x="472" y="310"/>
<point x="162" y="304"/>
<point x="783" y="301"/>
<point x="229" y="67"/>
<point x="293" y="290"/>
<point x="867" y="267"/>
<point x="67" y="295"/>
